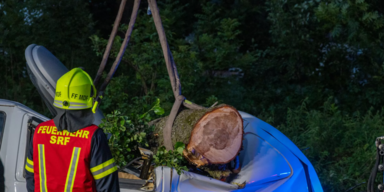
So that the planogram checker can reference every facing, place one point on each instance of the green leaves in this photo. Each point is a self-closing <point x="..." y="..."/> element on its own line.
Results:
<point x="172" y="158"/>
<point x="180" y="150"/>
<point x="336" y="31"/>
<point x="179" y="146"/>
<point x="327" y="133"/>
<point x="158" y="110"/>
<point x="370" y="16"/>
<point x="128" y="134"/>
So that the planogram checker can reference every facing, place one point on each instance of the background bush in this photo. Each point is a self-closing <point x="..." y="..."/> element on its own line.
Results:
<point x="314" y="69"/>
<point x="340" y="147"/>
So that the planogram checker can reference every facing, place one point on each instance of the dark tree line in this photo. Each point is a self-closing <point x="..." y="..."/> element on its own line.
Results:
<point x="314" y="69"/>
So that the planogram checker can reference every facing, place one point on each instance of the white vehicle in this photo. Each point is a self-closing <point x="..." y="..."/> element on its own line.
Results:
<point x="269" y="160"/>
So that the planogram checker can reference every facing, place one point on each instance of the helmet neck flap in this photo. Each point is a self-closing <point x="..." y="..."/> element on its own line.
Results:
<point x="73" y="120"/>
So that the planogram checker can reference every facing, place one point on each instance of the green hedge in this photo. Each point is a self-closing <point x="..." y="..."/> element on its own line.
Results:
<point x="340" y="147"/>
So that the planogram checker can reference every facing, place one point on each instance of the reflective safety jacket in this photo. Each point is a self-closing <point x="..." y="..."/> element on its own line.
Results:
<point x="70" y="162"/>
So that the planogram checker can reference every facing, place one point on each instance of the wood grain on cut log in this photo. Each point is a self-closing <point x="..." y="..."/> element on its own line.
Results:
<point x="213" y="136"/>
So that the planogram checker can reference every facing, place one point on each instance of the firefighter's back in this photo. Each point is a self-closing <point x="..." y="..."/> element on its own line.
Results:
<point x="62" y="159"/>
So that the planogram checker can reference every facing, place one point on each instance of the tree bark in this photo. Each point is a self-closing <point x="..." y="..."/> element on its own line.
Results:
<point x="212" y="136"/>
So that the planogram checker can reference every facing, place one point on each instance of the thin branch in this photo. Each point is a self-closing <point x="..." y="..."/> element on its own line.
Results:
<point x="153" y="122"/>
<point x="215" y="104"/>
<point x="350" y="189"/>
<point x="110" y="41"/>
<point x="153" y="81"/>
<point x="143" y="80"/>
<point x="191" y="105"/>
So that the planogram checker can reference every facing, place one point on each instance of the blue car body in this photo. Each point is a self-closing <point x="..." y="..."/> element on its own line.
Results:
<point x="300" y="177"/>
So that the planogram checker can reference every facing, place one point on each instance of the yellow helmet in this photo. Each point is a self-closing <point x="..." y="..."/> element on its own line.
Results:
<point x="74" y="90"/>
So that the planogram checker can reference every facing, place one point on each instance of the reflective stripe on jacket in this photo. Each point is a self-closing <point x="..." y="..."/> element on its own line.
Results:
<point x="62" y="160"/>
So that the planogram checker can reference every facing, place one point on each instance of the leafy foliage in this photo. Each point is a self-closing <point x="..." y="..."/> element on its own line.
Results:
<point x="339" y="146"/>
<point x="320" y="49"/>
<point x="126" y="133"/>
<point x="172" y="158"/>
<point x="63" y="27"/>
<point x="125" y="137"/>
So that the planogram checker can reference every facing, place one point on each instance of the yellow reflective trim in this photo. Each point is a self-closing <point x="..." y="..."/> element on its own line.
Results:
<point x="28" y="169"/>
<point x="72" y="170"/>
<point x="77" y="163"/>
<point x="105" y="164"/>
<point x="69" y="170"/>
<point x="105" y="173"/>
<point x="95" y="107"/>
<point x="42" y="174"/>
<point x="29" y="161"/>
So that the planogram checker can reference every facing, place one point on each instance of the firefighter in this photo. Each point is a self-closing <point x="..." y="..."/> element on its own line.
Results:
<point x="69" y="153"/>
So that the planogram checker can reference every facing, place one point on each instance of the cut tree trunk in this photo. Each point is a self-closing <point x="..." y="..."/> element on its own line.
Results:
<point x="212" y="136"/>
